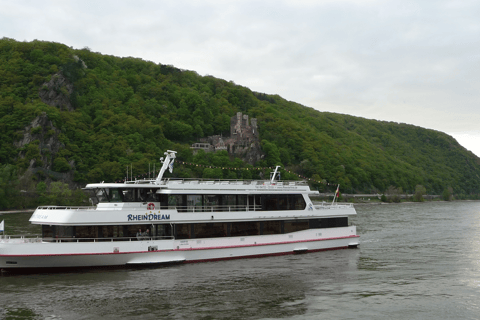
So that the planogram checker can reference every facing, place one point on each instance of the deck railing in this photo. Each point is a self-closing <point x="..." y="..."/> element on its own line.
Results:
<point x="326" y="205"/>
<point x="66" y="208"/>
<point x="212" y="208"/>
<point x="223" y="182"/>
<point x="215" y="208"/>
<point x="21" y="238"/>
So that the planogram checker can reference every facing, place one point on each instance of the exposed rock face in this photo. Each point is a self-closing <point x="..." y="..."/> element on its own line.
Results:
<point x="43" y="133"/>
<point x="56" y="92"/>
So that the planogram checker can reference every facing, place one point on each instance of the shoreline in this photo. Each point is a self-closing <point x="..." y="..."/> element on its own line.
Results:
<point x="408" y="202"/>
<point x="355" y="203"/>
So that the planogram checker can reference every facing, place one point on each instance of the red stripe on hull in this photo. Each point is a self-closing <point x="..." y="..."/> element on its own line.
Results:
<point x="184" y="249"/>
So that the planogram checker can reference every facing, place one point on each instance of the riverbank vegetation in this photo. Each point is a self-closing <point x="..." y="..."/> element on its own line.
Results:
<point x="74" y="116"/>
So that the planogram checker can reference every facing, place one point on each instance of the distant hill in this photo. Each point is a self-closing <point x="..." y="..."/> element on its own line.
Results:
<point x="78" y="116"/>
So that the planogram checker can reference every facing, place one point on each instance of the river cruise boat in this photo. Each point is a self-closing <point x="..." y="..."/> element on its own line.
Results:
<point x="166" y="220"/>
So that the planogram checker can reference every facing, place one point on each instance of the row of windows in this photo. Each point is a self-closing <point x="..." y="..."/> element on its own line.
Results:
<point x="189" y="230"/>
<point x="193" y="202"/>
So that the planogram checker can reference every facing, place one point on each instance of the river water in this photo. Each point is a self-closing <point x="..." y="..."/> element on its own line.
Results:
<point x="415" y="261"/>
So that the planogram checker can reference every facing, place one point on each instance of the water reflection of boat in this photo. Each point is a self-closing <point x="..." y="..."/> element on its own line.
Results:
<point x="161" y="221"/>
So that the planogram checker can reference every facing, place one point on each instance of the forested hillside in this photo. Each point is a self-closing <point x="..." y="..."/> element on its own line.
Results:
<point x="74" y="116"/>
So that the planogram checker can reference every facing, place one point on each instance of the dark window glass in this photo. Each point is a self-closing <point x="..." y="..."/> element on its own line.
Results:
<point x="87" y="232"/>
<point x="101" y="195"/>
<point x="128" y="195"/>
<point x="212" y="202"/>
<point x="299" y="202"/>
<point x="229" y="200"/>
<point x="115" y="195"/>
<point x="245" y="229"/>
<point x="210" y="230"/>
<point x="110" y="231"/>
<point x="64" y="232"/>
<point x="194" y="203"/>
<point x="295" y="225"/>
<point x="164" y="230"/>
<point x="178" y="201"/>
<point x="183" y="231"/>
<point x="242" y="200"/>
<point x="272" y="227"/>
<point x="47" y="231"/>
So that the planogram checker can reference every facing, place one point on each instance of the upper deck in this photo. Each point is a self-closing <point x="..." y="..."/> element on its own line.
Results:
<point x="208" y="186"/>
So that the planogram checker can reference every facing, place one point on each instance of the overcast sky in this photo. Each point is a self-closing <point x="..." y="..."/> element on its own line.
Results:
<point x="416" y="62"/>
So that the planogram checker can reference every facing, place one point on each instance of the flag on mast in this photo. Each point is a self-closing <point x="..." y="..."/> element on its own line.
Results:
<point x="2" y="226"/>
<point x="335" y="196"/>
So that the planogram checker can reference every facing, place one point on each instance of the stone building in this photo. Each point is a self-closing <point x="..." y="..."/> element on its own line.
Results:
<point x="244" y="140"/>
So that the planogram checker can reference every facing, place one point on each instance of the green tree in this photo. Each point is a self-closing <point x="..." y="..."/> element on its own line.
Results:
<point x="9" y="193"/>
<point x="59" y="193"/>
<point x="272" y="155"/>
<point x="393" y="194"/>
<point x="447" y="194"/>
<point x="420" y="191"/>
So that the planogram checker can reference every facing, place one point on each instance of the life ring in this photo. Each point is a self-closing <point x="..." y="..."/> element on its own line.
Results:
<point x="151" y="206"/>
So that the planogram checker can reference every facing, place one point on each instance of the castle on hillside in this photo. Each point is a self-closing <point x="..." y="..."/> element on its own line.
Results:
<point x="244" y="140"/>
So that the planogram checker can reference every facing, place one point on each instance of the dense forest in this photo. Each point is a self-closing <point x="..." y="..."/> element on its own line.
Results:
<point x="69" y="117"/>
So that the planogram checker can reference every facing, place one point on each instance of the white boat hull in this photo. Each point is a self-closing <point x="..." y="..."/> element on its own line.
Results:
<point x="18" y="254"/>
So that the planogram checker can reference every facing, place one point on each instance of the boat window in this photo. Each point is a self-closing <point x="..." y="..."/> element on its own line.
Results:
<point x="47" y="231"/>
<point x="152" y="195"/>
<point x="92" y="196"/>
<point x="212" y="202"/>
<point x="242" y="200"/>
<point x="229" y="200"/>
<point x="245" y="228"/>
<point x="115" y="195"/>
<point x="179" y="201"/>
<point x="164" y="230"/>
<point x="271" y="202"/>
<point x="299" y="202"/>
<point x="282" y="202"/>
<point x="188" y="230"/>
<point x="176" y="200"/>
<point x="102" y="195"/>
<point x="296" y="225"/>
<point x="128" y="195"/>
<point x="194" y="202"/>
<point x="90" y="232"/>
<point x="131" y="230"/>
<point x="210" y="230"/>
<point x="110" y="232"/>
<point x="141" y="195"/>
<point x="183" y="231"/>
<point x="272" y="227"/>
<point x="259" y="200"/>
<point x="64" y="232"/>
<point x="163" y="198"/>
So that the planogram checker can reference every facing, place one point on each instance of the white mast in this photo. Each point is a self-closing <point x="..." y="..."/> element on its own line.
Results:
<point x="167" y="164"/>
<point x="335" y="195"/>
<point x="273" y="175"/>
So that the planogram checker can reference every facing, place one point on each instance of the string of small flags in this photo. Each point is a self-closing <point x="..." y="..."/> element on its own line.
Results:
<point x="223" y="168"/>
<point x="255" y="168"/>
<point x="232" y="168"/>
